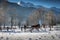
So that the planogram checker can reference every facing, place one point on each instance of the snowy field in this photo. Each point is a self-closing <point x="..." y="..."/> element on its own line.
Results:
<point x="52" y="35"/>
<point x="17" y="34"/>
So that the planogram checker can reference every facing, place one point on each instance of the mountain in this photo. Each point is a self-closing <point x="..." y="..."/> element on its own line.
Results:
<point x="55" y="10"/>
<point x="14" y="10"/>
<point x="23" y="9"/>
<point x="19" y="10"/>
<point x="28" y="4"/>
<point x="24" y="4"/>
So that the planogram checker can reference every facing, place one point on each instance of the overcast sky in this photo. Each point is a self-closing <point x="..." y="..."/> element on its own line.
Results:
<point x="45" y="3"/>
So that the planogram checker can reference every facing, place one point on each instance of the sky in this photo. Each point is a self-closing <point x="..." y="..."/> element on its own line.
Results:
<point x="45" y="3"/>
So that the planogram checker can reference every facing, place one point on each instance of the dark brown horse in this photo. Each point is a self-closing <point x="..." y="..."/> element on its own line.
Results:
<point x="32" y="27"/>
<point x="25" y="27"/>
<point x="35" y="27"/>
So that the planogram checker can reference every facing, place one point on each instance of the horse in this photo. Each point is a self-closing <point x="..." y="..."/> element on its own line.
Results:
<point x="25" y="27"/>
<point x="35" y="27"/>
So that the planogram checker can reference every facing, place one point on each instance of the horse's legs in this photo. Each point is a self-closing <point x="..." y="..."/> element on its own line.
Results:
<point x="37" y="29"/>
<point x="24" y="29"/>
<point x="31" y="29"/>
<point x="21" y="29"/>
<point x="50" y="27"/>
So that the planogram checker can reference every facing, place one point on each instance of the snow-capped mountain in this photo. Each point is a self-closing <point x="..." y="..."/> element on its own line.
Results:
<point x="24" y="4"/>
<point x="23" y="9"/>
<point x="28" y="4"/>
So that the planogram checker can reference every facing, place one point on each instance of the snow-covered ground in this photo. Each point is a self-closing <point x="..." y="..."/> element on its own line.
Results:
<point x="17" y="34"/>
<point x="52" y="35"/>
<point x="28" y="30"/>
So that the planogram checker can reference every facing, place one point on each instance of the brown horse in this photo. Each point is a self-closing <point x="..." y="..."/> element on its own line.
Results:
<point x="35" y="27"/>
<point x="25" y="27"/>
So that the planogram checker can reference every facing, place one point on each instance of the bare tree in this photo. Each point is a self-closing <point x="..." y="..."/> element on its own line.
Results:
<point x="3" y="12"/>
<point x="20" y="19"/>
<point x="36" y="15"/>
<point x="50" y="18"/>
<point x="58" y="19"/>
<point x="3" y="16"/>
